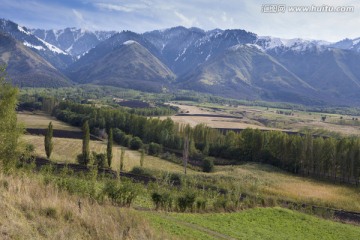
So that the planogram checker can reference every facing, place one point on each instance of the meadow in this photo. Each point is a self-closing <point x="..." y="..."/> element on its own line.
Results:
<point x="257" y="223"/>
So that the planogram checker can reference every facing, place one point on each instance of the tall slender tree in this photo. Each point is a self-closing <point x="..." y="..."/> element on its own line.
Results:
<point x="48" y="142"/>
<point x="122" y="158"/>
<point x="9" y="130"/>
<point x="86" y="143"/>
<point x="142" y="157"/>
<point x="109" y="147"/>
<point x="186" y="132"/>
<point x="329" y="156"/>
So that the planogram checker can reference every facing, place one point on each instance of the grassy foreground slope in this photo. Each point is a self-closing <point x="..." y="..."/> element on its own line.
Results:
<point x="31" y="210"/>
<point x="258" y="223"/>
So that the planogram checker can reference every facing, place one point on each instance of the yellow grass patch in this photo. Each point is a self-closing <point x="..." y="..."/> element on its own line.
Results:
<point x="66" y="150"/>
<point x="31" y="210"/>
<point x="273" y="182"/>
<point x="40" y="120"/>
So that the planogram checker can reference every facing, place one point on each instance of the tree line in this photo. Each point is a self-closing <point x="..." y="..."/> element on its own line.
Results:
<point x="337" y="159"/>
<point x="155" y="111"/>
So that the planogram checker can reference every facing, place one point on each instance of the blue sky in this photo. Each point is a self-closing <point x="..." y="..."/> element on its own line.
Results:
<point x="146" y="15"/>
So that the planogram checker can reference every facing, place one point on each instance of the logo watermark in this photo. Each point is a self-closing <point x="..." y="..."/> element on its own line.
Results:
<point x="282" y="8"/>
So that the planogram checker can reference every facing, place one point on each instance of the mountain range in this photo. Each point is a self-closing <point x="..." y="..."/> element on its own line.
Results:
<point x="232" y="63"/>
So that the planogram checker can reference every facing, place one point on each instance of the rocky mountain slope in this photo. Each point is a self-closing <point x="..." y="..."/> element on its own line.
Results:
<point x="25" y="68"/>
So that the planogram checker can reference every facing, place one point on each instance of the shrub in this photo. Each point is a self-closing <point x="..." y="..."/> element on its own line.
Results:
<point x="175" y="179"/>
<point x="162" y="200"/>
<point x="47" y="169"/>
<point x="80" y="159"/>
<point x="66" y="171"/>
<point x="80" y="186"/>
<point x="118" y="135"/>
<point x="208" y="164"/>
<point x="100" y="159"/>
<point x="157" y="199"/>
<point x="201" y="204"/>
<point x="141" y="171"/>
<point x="121" y="194"/>
<point x="136" y="143"/>
<point x="154" y="149"/>
<point x="127" y="140"/>
<point x="186" y="202"/>
<point x="27" y="155"/>
<point x="197" y="156"/>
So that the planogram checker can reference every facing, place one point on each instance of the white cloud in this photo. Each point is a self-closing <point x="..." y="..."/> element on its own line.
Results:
<point x="126" y="7"/>
<point x="114" y="7"/>
<point x="185" y="21"/>
<point x="81" y="22"/>
<point x="78" y="15"/>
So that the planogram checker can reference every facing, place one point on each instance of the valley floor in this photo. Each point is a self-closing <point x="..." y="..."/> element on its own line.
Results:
<point x="264" y="118"/>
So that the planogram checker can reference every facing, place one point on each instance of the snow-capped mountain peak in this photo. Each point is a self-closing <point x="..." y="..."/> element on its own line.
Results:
<point x="247" y="45"/>
<point x="54" y="55"/>
<point x="296" y="44"/>
<point x="73" y="41"/>
<point x="348" y="44"/>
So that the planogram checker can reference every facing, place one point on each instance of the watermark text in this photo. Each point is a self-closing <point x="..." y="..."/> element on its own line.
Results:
<point x="282" y="8"/>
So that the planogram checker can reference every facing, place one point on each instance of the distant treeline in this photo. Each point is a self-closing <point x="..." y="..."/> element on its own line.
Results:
<point x="337" y="159"/>
<point x="155" y="111"/>
<point x="47" y="104"/>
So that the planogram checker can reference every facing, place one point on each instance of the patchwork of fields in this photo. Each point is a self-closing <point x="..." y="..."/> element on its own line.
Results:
<point x="264" y="118"/>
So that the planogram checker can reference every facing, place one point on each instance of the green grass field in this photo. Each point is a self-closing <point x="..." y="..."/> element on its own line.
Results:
<point x="258" y="223"/>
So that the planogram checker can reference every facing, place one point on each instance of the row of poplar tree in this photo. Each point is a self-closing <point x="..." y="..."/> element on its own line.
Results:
<point x="337" y="159"/>
<point x="86" y="157"/>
